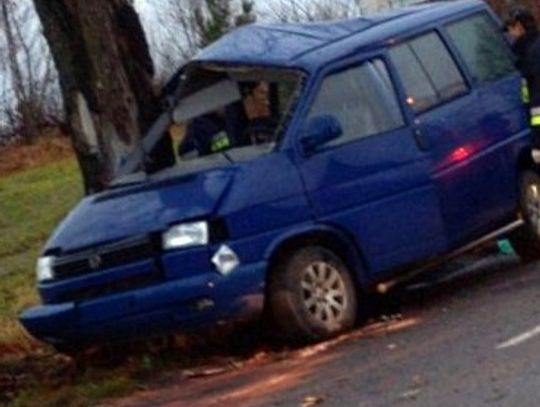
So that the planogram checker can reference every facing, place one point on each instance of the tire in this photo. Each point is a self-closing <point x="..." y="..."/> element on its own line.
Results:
<point x="312" y="296"/>
<point x="526" y="240"/>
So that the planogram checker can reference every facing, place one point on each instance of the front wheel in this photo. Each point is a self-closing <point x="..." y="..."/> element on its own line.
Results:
<point x="526" y="240"/>
<point x="312" y="295"/>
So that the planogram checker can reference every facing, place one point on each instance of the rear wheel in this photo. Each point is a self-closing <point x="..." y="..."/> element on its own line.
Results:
<point x="312" y="295"/>
<point x="526" y="240"/>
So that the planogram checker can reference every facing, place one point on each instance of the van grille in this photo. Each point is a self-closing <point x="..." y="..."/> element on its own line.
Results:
<point x="124" y="285"/>
<point x="104" y="257"/>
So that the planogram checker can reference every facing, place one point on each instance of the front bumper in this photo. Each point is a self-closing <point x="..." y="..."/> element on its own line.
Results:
<point x="199" y="301"/>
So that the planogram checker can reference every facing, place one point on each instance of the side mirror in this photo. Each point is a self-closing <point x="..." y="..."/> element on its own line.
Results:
<point x="320" y="130"/>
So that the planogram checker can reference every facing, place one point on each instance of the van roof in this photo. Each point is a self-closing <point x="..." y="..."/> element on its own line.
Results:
<point x="307" y="45"/>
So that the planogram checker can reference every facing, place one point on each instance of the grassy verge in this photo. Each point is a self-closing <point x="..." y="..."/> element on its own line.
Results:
<point x="31" y="204"/>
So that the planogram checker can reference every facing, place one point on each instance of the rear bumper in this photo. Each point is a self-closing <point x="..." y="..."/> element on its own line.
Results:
<point x="176" y="305"/>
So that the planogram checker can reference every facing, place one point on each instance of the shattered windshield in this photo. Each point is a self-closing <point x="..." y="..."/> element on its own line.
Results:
<point x="234" y="112"/>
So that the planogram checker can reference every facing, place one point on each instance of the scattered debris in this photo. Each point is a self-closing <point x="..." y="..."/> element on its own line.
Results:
<point x="260" y="356"/>
<point x="215" y="369"/>
<point x="409" y="394"/>
<point x="9" y="385"/>
<point x="392" y="317"/>
<point x="419" y="380"/>
<point x="311" y="401"/>
<point x="204" y="372"/>
<point x="315" y="349"/>
<point x="20" y="373"/>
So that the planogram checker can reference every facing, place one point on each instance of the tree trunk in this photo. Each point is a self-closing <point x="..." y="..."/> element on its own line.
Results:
<point x="105" y="71"/>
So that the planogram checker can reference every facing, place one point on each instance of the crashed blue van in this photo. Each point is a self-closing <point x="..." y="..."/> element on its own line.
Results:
<point x="316" y="162"/>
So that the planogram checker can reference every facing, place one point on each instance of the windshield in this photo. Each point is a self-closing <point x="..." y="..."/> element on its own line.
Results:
<point x="238" y="113"/>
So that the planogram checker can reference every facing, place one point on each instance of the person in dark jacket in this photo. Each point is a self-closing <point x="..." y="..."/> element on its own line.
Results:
<point x="522" y="28"/>
<point x="247" y="122"/>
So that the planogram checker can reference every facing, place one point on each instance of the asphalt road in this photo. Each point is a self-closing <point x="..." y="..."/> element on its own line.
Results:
<point x="467" y="338"/>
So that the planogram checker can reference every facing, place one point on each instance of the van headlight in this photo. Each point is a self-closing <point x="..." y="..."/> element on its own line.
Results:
<point x="44" y="269"/>
<point x="186" y="235"/>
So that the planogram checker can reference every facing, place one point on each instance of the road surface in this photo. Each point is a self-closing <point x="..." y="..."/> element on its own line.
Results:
<point x="466" y="338"/>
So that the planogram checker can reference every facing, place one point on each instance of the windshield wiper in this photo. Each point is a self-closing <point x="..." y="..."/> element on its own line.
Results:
<point x="127" y="180"/>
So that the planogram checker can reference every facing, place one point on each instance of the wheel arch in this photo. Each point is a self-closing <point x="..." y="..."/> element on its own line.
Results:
<point x="332" y="238"/>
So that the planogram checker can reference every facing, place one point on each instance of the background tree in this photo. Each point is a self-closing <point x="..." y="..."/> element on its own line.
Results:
<point x="503" y="6"/>
<point x="28" y="88"/>
<point x="105" y="72"/>
<point x="315" y="10"/>
<point x="214" y="18"/>
<point x="186" y="26"/>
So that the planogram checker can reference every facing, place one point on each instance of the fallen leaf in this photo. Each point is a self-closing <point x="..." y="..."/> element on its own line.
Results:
<point x="409" y="395"/>
<point x="311" y="401"/>
<point x="315" y="349"/>
<point x="204" y="372"/>
<point x="419" y="380"/>
<point x="260" y="356"/>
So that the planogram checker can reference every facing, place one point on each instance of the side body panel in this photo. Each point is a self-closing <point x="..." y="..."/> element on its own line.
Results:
<point x="379" y="190"/>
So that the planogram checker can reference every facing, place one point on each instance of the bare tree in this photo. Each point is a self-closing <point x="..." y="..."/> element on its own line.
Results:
<point x="105" y="72"/>
<point x="30" y="76"/>
<point x="314" y="10"/>
<point x="321" y="10"/>
<point x="503" y="6"/>
<point x="189" y="25"/>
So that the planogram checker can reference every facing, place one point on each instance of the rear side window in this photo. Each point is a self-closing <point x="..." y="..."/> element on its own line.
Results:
<point x="482" y="47"/>
<point x="428" y="72"/>
<point x="362" y="99"/>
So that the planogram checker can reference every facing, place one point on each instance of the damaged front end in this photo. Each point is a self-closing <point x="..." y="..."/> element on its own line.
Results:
<point x="160" y="252"/>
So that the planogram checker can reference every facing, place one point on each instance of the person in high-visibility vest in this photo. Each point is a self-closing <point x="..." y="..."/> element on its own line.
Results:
<point x="247" y="122"/>
<point x="522" y="28"/>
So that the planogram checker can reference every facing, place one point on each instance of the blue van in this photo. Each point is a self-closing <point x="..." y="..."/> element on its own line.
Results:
<point x="316" y="162"/>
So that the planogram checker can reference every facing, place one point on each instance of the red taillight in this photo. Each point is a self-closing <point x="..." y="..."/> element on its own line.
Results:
<point x="460" y="154"/>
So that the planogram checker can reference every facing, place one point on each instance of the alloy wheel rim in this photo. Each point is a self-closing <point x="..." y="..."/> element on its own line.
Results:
<point x="324" y="294"/>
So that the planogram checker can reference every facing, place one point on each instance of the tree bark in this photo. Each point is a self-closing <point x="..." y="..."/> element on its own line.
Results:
<point x="105" y="71"/>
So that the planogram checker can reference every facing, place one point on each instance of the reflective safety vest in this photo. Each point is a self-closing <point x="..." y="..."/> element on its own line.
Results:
<point x="534" y="110"/>
<point x="220" y="142"/>
<point x="525" y="96"/>
<point x="527" y="50"/>
<point x="535" y="117"/>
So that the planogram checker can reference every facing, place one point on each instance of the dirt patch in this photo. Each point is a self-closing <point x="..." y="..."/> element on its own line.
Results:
<point x="50" y="147"/>
<point x="36" y="371"/>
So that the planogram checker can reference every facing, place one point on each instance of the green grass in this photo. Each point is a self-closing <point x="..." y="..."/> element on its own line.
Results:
<point x="89" y="389"/>
<point x="31" y="204"/>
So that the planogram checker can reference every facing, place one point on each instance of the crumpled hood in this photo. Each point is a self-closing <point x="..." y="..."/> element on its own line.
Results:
<point x="141" y="209"/>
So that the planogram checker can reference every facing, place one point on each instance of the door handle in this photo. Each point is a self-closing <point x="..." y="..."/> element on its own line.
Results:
<point x="421" y="141"/>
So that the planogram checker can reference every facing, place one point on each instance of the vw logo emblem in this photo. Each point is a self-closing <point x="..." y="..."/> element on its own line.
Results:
<point x="94" y="261"/>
